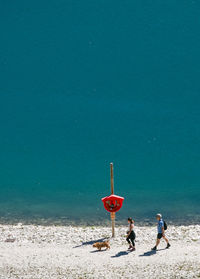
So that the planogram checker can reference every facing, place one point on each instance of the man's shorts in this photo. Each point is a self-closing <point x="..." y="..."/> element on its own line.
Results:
<point x="159" y="236"/>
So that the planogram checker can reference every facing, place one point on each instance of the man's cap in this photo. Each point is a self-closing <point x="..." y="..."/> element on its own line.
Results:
<point x="159" y="215"/>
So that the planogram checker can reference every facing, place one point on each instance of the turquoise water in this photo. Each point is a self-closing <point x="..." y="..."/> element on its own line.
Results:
<point x="86" y="83"/>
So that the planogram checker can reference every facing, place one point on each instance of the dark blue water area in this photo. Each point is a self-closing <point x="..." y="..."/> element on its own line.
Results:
<point x="86" y="83"/>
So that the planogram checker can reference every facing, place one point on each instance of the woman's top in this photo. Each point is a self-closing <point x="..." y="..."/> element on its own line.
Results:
<point x="130" y="227"/>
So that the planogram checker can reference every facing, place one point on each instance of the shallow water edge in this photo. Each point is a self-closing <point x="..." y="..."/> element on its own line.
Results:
<point x="64" y="221"/>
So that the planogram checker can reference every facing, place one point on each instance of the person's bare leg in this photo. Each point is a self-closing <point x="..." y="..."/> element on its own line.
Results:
<point x="166" y="239"/>
<point x="157" y="242"/>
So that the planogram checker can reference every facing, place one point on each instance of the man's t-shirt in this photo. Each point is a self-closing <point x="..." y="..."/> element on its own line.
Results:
<point x="160" y="225"/>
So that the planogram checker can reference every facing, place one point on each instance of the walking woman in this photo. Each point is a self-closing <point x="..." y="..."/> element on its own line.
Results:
<point x="131" y="234"/>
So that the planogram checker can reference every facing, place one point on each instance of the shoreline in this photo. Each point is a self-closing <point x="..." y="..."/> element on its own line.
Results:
<point x="105" y="222"/>
<point x="57" y="252"/>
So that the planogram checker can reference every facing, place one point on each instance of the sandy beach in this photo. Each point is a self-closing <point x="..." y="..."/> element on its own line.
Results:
<point x="41" y="252"/>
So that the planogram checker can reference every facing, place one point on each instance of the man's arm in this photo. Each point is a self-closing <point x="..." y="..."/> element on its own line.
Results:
<point x="163" y="231"/>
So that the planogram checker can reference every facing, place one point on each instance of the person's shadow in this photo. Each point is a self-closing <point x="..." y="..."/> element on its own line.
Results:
<point x="121" y="253"/>
<point x="149" y="253"/>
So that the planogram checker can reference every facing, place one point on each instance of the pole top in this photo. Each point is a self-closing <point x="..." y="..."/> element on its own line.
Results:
<point x="111" y="163"/>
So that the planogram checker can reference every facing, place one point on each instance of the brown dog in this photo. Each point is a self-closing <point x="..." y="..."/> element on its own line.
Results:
<point x="100" y="245"/>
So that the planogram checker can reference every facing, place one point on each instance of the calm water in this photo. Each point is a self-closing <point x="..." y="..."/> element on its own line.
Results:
<point x="84" y="83"/>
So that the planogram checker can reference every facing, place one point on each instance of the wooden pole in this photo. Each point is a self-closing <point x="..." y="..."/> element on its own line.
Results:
<point x="111" y="178"/>
<point x="112" y="214"/>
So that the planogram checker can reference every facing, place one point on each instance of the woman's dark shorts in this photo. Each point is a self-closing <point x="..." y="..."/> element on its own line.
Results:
<point x="159" y="236"/>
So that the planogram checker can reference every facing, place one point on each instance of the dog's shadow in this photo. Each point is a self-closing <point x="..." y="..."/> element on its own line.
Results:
<point x="96" y="251"/>
<point x="91" y="242"/>
<point x="121" y="253"/>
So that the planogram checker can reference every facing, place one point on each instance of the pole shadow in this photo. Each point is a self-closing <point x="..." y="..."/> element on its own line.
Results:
<point x="91" y="242"/>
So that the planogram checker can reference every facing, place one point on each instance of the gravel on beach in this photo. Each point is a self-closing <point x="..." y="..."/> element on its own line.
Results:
<point x="59" y="252"/>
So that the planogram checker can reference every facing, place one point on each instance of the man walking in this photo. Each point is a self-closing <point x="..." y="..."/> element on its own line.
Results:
<point x="161" y="232"/>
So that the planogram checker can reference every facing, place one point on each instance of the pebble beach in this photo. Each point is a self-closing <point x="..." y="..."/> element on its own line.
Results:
<point x="58" y="252"/>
